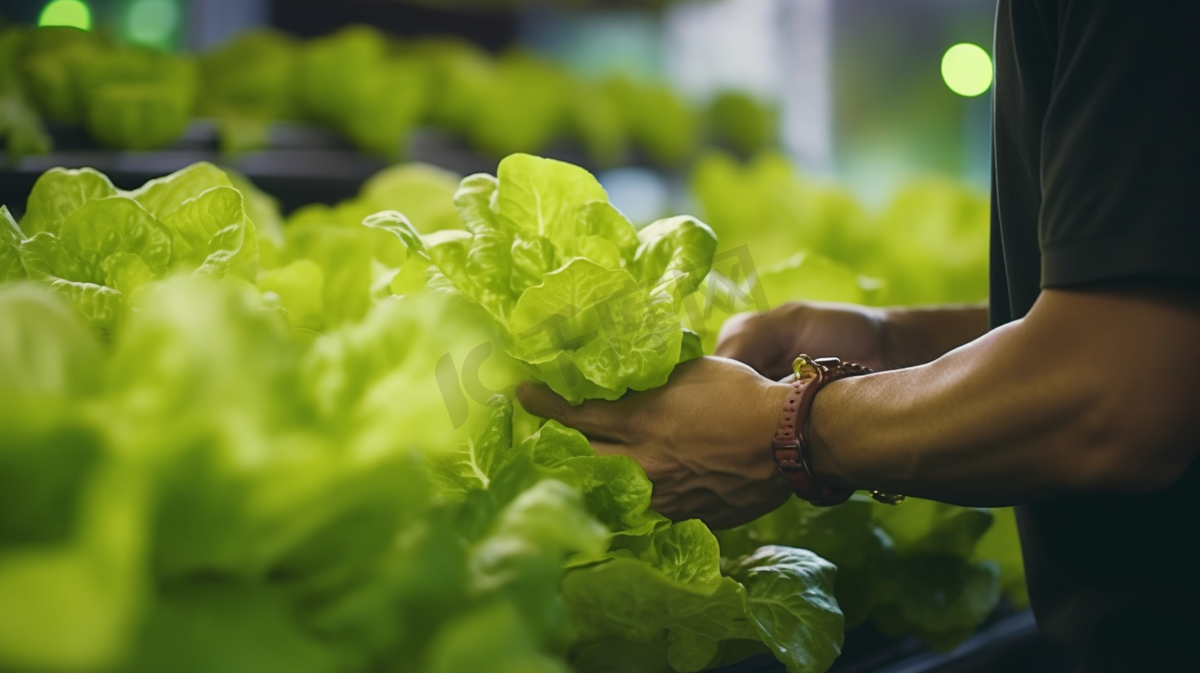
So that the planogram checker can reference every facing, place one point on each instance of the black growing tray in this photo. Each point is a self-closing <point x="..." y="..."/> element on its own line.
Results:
<point x="304" y="164"/>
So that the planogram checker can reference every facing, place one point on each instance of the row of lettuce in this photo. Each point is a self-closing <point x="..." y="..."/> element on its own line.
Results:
<point x="250" y="445"/>
<point x="372" y="89"/>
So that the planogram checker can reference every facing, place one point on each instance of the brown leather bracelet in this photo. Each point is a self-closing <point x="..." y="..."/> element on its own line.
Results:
<point x="790" y="445"/>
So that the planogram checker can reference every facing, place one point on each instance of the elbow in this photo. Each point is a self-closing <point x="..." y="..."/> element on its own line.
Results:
<point x="1129" y="443"/>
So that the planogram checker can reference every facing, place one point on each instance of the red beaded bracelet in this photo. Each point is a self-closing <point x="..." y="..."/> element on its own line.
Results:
<point x="790" y="444"/>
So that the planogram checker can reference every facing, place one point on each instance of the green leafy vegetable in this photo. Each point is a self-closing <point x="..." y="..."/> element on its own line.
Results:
<point x="20" y="124"/>
<point x="139" y="99"/>
<point x="656" y="119"/>
<point x="674" y="594"/>
<point x="350" y="81"/>
<point x="584" y="299"/>
<point x="371" y="88"/>
<point x="99" y="246"/>
<point x="790" y="604"/>
<point x="744" y="123"/>
<point x="310" y="462"/>
<point x="811" y="277"/>
<point x="54" y="62"/>
<point x="1001" y="546"/>
<point x="929" y="245"/>
<point x="72" y="513"/>
<point x="527" y="104"/>
<point x="10" y="254"/>
<point x="248" y="83"/>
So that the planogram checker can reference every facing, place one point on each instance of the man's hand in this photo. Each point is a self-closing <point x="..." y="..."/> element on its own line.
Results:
<point x="704" y="439"/>
<point x="770" y="341"/>
<point x="878" y="338"/>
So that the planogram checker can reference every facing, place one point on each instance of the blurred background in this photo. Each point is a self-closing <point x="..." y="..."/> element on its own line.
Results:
<point x="856" y="130"/>
<point x="856" y="87"/>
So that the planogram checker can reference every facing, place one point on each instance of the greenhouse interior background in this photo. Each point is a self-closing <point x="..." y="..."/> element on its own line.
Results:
<point x="857" y="86"/>
<point x="201" y="503"/>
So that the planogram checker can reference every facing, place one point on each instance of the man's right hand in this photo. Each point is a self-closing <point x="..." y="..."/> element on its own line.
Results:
<point x="770" y="341"/>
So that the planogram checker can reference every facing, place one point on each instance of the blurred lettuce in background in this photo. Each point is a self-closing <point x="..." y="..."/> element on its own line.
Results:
<point x="138" y="98"/>
<point x="928" y="245"/>
<point x="369" y="87"/>
<point x="248" y="83"/>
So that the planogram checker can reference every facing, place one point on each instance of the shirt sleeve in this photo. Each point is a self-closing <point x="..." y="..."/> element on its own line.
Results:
<point x="1121" y="142"/>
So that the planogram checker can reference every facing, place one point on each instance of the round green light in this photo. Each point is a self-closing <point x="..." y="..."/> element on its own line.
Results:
<point x="73" y="13"/>
<point x="152" y="22"/>
<point x="967" y="69"/>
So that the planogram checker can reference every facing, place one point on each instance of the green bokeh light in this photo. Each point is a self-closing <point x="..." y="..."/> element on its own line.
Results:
<point x="73" y="13"/>
<point x="152" y="22"/>
<point x="967" y="69"/>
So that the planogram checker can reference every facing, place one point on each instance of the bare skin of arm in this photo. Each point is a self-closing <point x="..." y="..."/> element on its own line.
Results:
<point x="880" y="338"/>
<point x="1092" y="392"/>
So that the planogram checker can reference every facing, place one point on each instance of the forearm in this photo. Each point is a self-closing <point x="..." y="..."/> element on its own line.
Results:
<point x="919" y="335"/>
<point x="1046" y="406"/>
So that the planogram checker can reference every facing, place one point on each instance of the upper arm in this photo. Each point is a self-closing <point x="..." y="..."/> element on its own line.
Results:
<point x="1137" y="343"/>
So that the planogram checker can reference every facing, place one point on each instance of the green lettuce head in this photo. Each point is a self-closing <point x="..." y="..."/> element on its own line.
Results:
<point x="139" y="99"/>
<point x="584" y="299"/>
<point x="99" y="246"/>
<point x="72" y="515"/>
<point x="351" y="81"/>
<point x="54" y="64"/>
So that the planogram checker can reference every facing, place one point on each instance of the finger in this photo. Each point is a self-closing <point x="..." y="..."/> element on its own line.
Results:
<point x="594" y="418"/>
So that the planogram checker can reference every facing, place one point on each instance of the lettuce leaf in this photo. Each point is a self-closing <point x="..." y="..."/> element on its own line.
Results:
<point x="526" y="103"/>
<point x="139" y="99"/>
<point x="58" y="193"/>
<point x="351" y="81"/>
<point x="54" y="63"/>
<point x="580" y="296"/>
<point x="744" y="123"/>
<point x="10" y="242"/>
<point x="72" y="507"/>
<point x="658" y="120"/>
<point x="673" y="592"/>
<point x="845" y="535"/>
<point x="248" y="83"/>
<point x="811" y="277"/>
<point x="490" y="639"/>
<point x="99" y="246"/>
<point x="789" y="592"/>
<point x="21" y="126"/>
<point x="1002" y="546"/>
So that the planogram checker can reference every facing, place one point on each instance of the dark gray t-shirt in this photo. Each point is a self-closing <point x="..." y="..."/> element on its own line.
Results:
<point x="1096" y="151"/>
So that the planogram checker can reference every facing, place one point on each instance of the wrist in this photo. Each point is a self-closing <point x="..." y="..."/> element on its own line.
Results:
<point x="791" y="442"/>
<point x="774" y="395"/>
<point x="822" y="421"/>
<point x="832" y="439"/>
<point x="789" y="445"/>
